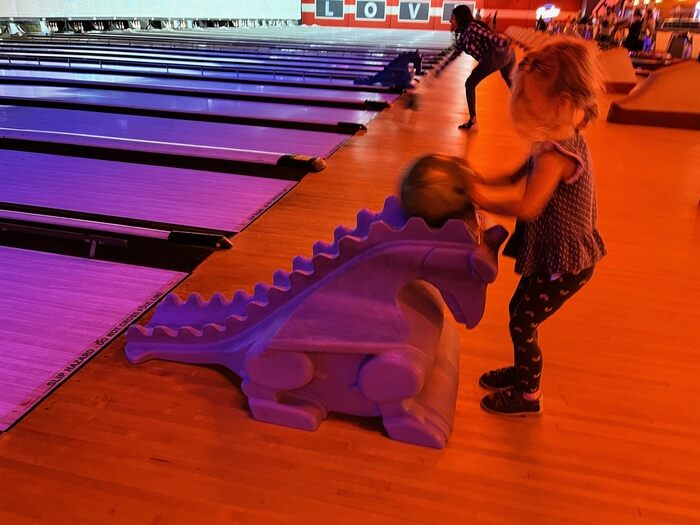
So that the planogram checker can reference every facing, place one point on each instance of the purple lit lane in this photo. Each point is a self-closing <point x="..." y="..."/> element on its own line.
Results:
<point x="201" y="59"/>
<point x="188" y="105"/>
<point x="232" y="53"/>
<point x="167" y="136"/>
<point x="53" y="311"/>
<point x="219" y="202"/>
<point x="259" y="75"/>
<point x="197" y="84"/>
<point x="175" y="64"/>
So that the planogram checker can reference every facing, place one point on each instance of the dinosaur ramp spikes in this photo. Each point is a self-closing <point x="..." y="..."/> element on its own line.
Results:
<point x="324" y="263"/>
<point x="322" y="247"/>
<point x="392" y="213"/>
<point x="364" y="219"/>
<point x="171" y="303"/>
<point x="379" y="232"/>
<point x="453" y="231"/>
<point x="175" y="307"/>
<point x="281" y="279"/>
<point x="456" y="229"/>
<point x="172" y="300"/>
<point x="194" y="312"/>
<point x="234" y="322"/>
<point x="340" y="232"/>
<point x="219" y="301"/>
<point x="350" y="246"/>
<point x="255" y="312"/>
<point x="137" y="333"/>
<point x="240" y="299"/>
<point x="276" y="295"/>
<point x="164" y="332"/>
<point x="185" y="335"/>
<point x="302" y="264"/>
<point x="417" y="228"/>
<point x="297" y="280"/>
<point x="195" y="300"/>
<point x="260" y="293"/>
<point x="212" y="330"/>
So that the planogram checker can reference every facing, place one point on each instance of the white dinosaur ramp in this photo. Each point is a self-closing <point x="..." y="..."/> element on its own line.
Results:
<point x="668" y="98"/>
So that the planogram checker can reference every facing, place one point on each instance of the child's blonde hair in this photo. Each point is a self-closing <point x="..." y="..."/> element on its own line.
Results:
<point x="567" y="74"/>
<point x="434" y="187"/>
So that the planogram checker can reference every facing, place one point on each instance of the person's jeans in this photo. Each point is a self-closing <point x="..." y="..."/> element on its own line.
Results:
<point x="497" y="59"/>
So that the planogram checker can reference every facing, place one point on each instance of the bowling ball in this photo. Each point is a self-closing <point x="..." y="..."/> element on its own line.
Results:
<point x="435" y="188"/>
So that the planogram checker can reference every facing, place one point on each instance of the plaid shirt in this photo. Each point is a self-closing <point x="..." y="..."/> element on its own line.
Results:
<point x="477" y="40"/>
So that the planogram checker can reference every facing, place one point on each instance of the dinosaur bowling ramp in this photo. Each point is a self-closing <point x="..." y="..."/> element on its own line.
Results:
<point x="668" y="98"/>
<point x="358" y="328"/>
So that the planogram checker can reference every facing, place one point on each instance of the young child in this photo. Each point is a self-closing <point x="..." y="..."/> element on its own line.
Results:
<point x="556" y="243"/>
<point x="435" y="188"/>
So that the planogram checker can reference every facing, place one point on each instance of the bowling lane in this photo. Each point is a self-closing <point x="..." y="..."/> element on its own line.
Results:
<point x="173" y="61"/>
<point x="163" y="136"/>
<point x="182" y="199"/>
<point x="247" y="56"/>
<point x="257" y="75"/>
<point x="212" y="109"/>
<point x="57" y="312"/>
<point x="198" y="84"/>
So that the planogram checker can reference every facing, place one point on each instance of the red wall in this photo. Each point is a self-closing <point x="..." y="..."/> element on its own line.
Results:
<point x="510" y="12"/>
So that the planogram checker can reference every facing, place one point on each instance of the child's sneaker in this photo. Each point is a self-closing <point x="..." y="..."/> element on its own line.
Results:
<point x="498" y="379"/>
<point x="510" y="402"/>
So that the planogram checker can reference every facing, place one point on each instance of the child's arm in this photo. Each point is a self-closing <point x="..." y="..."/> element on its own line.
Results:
<point x="510" y="179"/>
<point x="550" y="168"/>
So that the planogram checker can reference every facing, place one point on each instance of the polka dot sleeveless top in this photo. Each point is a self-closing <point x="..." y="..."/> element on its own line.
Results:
<point x="564" y="237"/>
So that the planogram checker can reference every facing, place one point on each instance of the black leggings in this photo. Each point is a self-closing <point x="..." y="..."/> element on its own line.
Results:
<point x="535" y="299"/>
<point x="502" y="60"/>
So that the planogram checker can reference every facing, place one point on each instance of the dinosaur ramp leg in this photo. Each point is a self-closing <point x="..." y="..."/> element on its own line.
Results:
<point x="268" y="376"/>
<point x="428" y="418"/>
<point x="295" y="413"/>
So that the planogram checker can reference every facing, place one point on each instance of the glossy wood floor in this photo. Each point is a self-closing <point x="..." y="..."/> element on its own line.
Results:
<point x="619" y="441"/>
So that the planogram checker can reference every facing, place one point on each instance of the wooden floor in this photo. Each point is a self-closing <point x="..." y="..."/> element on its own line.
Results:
<point x="619" y="441"/>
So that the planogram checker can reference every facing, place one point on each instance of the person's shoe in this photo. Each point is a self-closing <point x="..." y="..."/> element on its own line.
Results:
<point x="469" y="125"/>
<point x="498" y="379"/>
<point x="510" y="402"/>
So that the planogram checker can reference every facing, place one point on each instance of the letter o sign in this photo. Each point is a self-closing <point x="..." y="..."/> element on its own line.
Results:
<point x="374" y="10"/>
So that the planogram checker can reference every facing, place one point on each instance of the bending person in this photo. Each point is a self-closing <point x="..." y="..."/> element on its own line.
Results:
<point x="492" y="51"/>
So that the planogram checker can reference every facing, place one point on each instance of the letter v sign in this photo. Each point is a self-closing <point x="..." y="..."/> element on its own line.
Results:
<point x="413" y="10"/>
